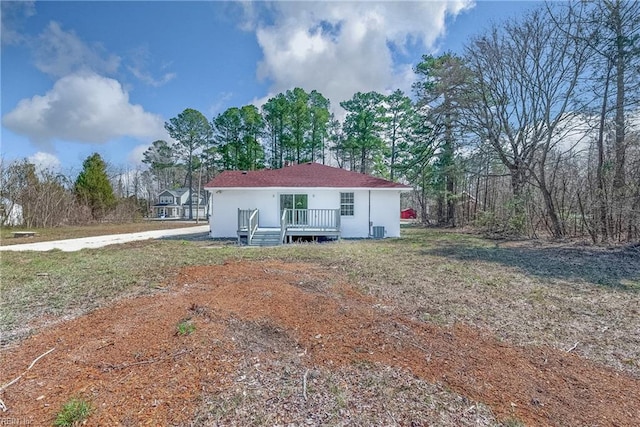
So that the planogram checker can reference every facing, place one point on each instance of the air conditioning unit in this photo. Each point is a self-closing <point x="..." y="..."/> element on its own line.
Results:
<point x="378" y="232"/>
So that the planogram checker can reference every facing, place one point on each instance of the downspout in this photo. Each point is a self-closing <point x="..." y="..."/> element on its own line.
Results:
<point x="370" y="224"/>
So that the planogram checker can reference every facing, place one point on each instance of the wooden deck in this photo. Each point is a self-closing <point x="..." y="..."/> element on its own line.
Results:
<point x="294" y="224"/>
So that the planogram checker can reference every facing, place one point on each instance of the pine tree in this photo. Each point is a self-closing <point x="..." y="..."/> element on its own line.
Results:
<point x="192" y="132"/>
<point x="92" y="187"/>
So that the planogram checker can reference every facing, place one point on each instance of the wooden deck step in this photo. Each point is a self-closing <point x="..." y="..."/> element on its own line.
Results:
<point x="266" y="237"/>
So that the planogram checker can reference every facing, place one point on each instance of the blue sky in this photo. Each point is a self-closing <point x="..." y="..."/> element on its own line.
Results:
<point x="86" y="76"/>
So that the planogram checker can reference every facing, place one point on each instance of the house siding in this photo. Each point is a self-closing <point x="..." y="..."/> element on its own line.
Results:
<point x="175" y="204"/>
<point x="225" y="204"/>
<point x="385" y="211"/>
<point x="385" y="206"/>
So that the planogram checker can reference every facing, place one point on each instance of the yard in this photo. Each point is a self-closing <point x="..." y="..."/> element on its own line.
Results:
<point x="435" y="328"/>
<point x="72" y="232"/>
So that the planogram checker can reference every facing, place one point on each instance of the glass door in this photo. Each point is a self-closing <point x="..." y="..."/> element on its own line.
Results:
<point x="298" y="203"/>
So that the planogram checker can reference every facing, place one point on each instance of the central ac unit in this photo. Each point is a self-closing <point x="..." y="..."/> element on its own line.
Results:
<point x="378" y="232"/>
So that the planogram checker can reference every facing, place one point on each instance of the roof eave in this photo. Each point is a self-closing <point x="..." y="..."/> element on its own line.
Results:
<point x="308" y="188"/>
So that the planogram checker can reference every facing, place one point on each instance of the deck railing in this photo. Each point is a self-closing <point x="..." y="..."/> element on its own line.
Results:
<point x="295" y="220"/>
<point x="244" y="216"/>
<point x="253" y="225"/>
<point x="243" y="219"/>
<point x="317" y="219"/>
<point x="283" y="228"/>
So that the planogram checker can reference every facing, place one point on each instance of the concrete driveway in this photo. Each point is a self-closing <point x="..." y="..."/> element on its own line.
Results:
<point x="72" y="245"/>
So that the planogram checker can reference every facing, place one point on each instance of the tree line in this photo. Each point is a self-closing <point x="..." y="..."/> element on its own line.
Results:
<point x="49" y="199"/>
<point x="534" y="129"/>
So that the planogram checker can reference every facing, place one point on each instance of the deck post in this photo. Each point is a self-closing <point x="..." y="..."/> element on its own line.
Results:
<point x="238" y="227"/>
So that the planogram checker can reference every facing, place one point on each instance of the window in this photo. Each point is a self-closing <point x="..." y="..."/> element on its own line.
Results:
<point x="293" y="201"/>
<point x="346" y="204"/>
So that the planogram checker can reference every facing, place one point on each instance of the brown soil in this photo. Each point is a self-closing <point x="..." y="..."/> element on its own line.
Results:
<point x="131" y="363"/>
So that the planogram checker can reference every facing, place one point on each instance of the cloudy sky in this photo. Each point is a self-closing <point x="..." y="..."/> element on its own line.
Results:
<point x="84" y="77"/>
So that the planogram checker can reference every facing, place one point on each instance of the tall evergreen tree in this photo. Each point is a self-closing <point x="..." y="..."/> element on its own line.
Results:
<point x="92" y="187"/>
<point x="228" y="130"/>
<point x="443" y="87"/>
<point x="163" y="164"/>
<point x="400" y="125"/>
<point x="363" y="126"/>
<point x="252" y="130"/>
<point x="275" y="113"/>
<point x="238" y="134"/>
<point x="192" y="130"/>
<point x="299" y="123"/>
<point x="319" y="112"/>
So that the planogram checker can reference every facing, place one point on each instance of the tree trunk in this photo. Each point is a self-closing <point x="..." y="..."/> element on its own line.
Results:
<point x="518" y="183"/>
<point x="601" y="194"/>
<point x="190" y="185"/>
<point x="556" y="226"/>
<point x="620" y="149"/>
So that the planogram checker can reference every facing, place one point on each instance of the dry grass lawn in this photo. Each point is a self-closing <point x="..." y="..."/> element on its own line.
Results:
<point x="434" y="328"/>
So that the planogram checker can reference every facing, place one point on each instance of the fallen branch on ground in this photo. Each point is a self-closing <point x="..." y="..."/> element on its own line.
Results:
<point x="144" y="362"/>
<point x="106" y="345"/>
<point x="573" y="347"/>
<point x="16" y="379"/>
<point x="304" y="384"/>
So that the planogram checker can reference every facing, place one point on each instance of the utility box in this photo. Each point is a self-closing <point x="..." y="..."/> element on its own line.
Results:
<point x="378" y="232"/>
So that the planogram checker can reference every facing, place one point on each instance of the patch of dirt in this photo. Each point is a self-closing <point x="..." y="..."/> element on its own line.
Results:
<point x="278" y="343"/>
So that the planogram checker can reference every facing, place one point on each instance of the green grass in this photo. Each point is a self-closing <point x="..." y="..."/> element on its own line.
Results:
<point x="73" y="413"/>
<point x="185" y="327"/>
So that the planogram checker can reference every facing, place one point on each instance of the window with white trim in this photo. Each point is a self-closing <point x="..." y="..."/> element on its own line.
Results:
<point x="346" y="204"/>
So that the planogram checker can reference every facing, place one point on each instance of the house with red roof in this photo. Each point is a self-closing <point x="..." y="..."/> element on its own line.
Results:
<point x="303" y="201"/>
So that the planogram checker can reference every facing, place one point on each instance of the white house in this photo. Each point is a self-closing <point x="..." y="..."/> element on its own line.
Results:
<point x="175" y="204"/>
<point x="309" y="199"/>
<point x="10" y="213"/>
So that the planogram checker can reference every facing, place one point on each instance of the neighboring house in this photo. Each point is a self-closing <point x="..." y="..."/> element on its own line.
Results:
<point x="306" y="200"/>
<point x="175" y="204"/>
<point x="10" y="213"/>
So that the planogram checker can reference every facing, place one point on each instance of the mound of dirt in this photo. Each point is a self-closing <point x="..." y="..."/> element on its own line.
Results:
<point x="150" y="360"/>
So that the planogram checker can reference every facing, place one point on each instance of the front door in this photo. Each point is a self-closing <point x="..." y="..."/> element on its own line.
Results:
<point x="299" y="205"/>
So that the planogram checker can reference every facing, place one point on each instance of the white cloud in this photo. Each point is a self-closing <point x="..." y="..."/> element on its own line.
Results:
<point x="340" y="48"/>
<point x="137" y="154"/>
<point x="45" y="161"/>
<point x="146" y="77"/>
<point x="12" y="16"/>
<point x="59" y="53"/>
<point x="85" y="108"/>
<point x="219" y="104"/>
<point x="140" y="58"/>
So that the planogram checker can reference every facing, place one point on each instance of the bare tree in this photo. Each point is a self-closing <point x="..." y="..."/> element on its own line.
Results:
<point x="526" y="73"/>
<point x="611" y="38"/>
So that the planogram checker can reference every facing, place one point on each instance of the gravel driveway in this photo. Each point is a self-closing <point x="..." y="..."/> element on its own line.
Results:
<point x="72" y="245"/>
